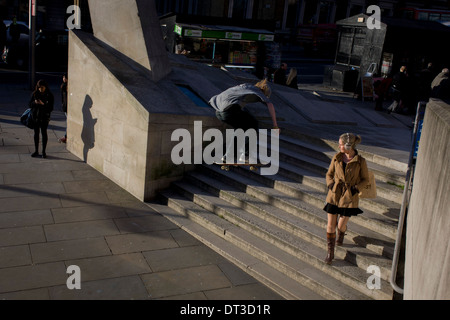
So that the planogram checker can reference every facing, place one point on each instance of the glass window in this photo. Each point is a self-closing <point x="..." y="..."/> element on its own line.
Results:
<point x="408" y="14"/>
<point x="434" y="16"/>
<point x="240" y="9"/>
<point x="423" y="16"/>
<point x="325" y="12"/>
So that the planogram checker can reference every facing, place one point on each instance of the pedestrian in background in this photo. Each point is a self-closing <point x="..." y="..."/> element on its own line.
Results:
<point x="426" y="76"/>
<point x="14" y="31"/>
<point x="64" y="104"/>
<point x="399" y="90"/>
<point x="279" y="76"/>
<point x="346" y="176"/>
<point x="440" y="87"/>
<point x="41" y="104"/>
<point x="3" y="35"/>
<point x="292" y="79"/>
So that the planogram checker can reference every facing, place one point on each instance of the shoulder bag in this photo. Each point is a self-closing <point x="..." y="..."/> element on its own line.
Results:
<point x="27" y="119"/>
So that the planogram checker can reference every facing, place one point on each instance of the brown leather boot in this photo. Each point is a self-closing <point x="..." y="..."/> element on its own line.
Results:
<point x="331" y="240"/>
<point x="340" y="237"/>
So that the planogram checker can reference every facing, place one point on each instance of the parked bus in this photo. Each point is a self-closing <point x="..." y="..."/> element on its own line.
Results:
<point x="425" y="14"/>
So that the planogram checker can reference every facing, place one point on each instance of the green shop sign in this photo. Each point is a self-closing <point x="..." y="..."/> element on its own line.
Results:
<point x="217" y="34"/>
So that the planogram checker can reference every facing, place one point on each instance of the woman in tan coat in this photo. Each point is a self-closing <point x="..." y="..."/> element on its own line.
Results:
<point x="346" y="175"/>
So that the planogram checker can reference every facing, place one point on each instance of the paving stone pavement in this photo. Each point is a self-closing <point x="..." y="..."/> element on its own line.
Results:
<point x="59" y="212"/>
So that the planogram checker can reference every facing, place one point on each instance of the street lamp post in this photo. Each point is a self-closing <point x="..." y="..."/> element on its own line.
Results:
<point x="32" y="43"/>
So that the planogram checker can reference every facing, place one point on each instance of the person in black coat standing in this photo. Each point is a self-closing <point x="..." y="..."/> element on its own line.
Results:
<point x="399" y="90"/>
<point x="41" y="104"/>
<point x="3" y="35"/>
<point x="279" y="76"/>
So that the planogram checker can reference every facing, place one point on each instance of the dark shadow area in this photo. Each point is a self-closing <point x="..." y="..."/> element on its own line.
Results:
<point x="87" y="133"/>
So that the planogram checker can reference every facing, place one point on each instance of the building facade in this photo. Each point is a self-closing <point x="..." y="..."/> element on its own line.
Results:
<point x="288" y="14"/>
<point x="51" y="14"/>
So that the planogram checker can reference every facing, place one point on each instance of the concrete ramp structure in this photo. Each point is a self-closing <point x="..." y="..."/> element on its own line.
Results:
<point x="124" y="100"/>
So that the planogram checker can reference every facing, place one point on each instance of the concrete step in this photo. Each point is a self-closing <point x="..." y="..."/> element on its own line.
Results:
<point x="387" y="178"/>
<point x="257" y="201"/>
<point x="218" y="241"/>
<point x="279" y="221"/>
<point x="384" y="190"/>
<point x="388" y="199"/>
<point x="343" y="271"/>
<point x="294" y="149"/>
<point x="328" y="140"/>
<point x="289" y="264"/>
<point x="308" y="169"/>
<point x="291" y="196"/>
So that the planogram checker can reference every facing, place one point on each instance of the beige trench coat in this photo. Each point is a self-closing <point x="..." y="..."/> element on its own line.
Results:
<point x="339" y="183"/>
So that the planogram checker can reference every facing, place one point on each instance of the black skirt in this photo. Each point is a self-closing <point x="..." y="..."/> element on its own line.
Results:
<point x="347" y="212"/>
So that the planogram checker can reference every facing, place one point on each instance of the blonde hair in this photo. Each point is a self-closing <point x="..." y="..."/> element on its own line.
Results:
<point x="291" y="76"/>
<point x="265" y="88"/>
<point x="350" y="140"/>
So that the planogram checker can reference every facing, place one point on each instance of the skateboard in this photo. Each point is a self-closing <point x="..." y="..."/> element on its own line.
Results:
<point x="252" y="166"/>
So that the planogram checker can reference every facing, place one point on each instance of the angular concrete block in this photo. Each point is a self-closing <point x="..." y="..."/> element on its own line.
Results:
<point x="132" y="28"/>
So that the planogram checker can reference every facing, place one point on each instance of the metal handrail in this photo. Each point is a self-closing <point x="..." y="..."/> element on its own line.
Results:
<point x="399" y="234"/>
<point x="405" y="202"/>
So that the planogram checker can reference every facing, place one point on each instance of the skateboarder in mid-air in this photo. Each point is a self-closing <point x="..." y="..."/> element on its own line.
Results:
<point x="230" y="104"/>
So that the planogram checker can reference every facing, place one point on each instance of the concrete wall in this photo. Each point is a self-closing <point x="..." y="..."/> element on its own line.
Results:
<point x="120" y="122"/>
<point x="427" y="270"/>
<point x="132" y="28"/>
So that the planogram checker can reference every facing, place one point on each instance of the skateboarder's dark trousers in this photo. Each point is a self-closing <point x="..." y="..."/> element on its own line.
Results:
<point x="238" y="118"/>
